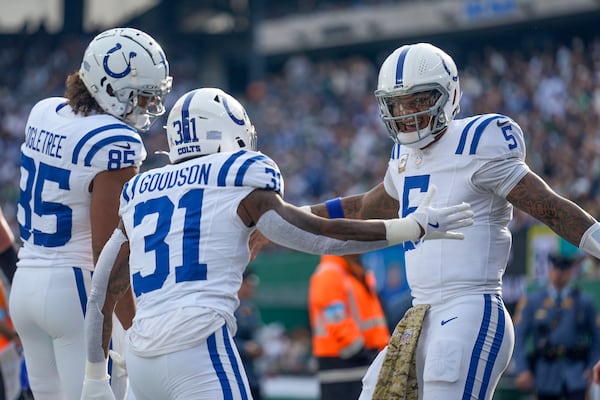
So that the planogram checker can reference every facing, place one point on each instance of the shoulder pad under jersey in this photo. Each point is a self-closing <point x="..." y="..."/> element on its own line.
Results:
<point x="110" y="146"/>
<point x="251" y="168"/>
<point x="491" y="136"/>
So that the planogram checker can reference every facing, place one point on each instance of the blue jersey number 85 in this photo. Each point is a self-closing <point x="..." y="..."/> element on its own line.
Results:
<point x="31" y="201"/>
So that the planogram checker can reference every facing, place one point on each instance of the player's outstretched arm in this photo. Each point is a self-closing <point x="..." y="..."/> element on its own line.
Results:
<point x="292" y="227"/>
<point x="563" y="216"/>
<point x="374" y="204"/>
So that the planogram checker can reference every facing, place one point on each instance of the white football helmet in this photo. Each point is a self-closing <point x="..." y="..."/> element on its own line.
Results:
<point x="206" y="121"/>
<point x="127" y="73"/>
<point x="418" y="93"/>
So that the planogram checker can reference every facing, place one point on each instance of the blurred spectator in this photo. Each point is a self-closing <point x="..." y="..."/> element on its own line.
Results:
<point x="8" y="252"/>
<point x="562" y="324"/>
<point x="329" y="127"/>
<point x="395" y="295"/>
<point x="10" y="353"/>
<point x="296" y="357"/>
<point x="249" y="323"/>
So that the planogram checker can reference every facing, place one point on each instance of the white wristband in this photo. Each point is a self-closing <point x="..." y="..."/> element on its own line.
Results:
<point x="96" y="370"/>
<point x="590" y="241"/>
<point x="401" y="230"/>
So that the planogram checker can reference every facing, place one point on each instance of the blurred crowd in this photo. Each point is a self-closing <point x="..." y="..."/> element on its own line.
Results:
<point x="285" y="8"/>
<point x="319" y="121"/>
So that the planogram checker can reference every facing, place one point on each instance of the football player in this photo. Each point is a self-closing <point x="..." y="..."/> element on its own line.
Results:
<point x="78" y="152"/>
<point x="467" y="335"/>
<point x="183" y="245"/>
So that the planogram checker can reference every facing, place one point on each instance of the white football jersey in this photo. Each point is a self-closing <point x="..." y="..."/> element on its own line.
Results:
<point x="478" y="160"/>
<point x="60" y="157"/>
<point x="188" y="246"/>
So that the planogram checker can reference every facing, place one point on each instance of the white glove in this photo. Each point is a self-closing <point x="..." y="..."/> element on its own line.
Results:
<point x="438" y="223"/>
<point x="97" y="389"/>
<point x="96" y="384"/>
<point x="120" y="381"/>
<point x="119" y="368"/>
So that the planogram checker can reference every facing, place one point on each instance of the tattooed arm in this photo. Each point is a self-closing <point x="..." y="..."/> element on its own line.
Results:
<point x="533" y="196"/>
<point x="119" y="289"/>
<point x="109" y="283"/>
<point x="375" y="203"/>
<point x="290" y="226"/>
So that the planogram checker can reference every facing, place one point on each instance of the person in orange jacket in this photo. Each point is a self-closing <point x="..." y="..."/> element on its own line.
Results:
<point x="10" y="357"/>
<point x="347" y="322"/>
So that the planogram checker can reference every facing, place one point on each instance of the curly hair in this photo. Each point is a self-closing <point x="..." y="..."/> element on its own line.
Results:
<point x="80" y="99"/>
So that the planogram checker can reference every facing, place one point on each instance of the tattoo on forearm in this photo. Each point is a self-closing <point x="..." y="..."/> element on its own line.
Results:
<point x="561" y="215"/>
<point x="118" y="285"/>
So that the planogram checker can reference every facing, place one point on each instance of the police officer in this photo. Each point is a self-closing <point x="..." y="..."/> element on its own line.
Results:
<point x="557" y="337"/>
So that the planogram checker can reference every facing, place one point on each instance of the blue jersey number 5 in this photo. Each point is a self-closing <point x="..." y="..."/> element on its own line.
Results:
<point x="420" y="183"/>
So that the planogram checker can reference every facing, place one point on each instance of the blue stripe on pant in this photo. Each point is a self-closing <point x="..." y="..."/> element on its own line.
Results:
<point x="219" y="368"/>
<point x="489" y="341"/>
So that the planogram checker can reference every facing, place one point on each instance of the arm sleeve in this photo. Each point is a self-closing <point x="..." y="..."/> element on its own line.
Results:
<point x="94" y="318"/>
<point x="280" y="231"/>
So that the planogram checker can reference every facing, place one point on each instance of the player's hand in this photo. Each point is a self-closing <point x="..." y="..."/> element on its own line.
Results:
<point x="439" y="223"/>
<point x="97" y="389"/>
<point x="96" y="382"/>
<point x="119" y="382"/>
<point x="256" y="242"/>
<point x="119" y="367"/>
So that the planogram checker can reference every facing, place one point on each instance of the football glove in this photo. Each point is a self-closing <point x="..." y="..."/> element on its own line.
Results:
<point x="439" y="223"/>
<point x="96" y="384"/>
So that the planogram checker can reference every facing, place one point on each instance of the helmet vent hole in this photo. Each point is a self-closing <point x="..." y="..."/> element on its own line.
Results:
<point x="423" y="66"/>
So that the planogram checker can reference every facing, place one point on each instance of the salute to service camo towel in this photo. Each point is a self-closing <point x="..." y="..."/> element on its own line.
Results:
<point x="397" y="379"/>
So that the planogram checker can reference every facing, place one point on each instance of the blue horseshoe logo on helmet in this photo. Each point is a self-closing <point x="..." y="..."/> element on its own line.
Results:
<point x="233" y="117"/>
<point x="455" y="77"/>
<point x="123" y="73"/>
